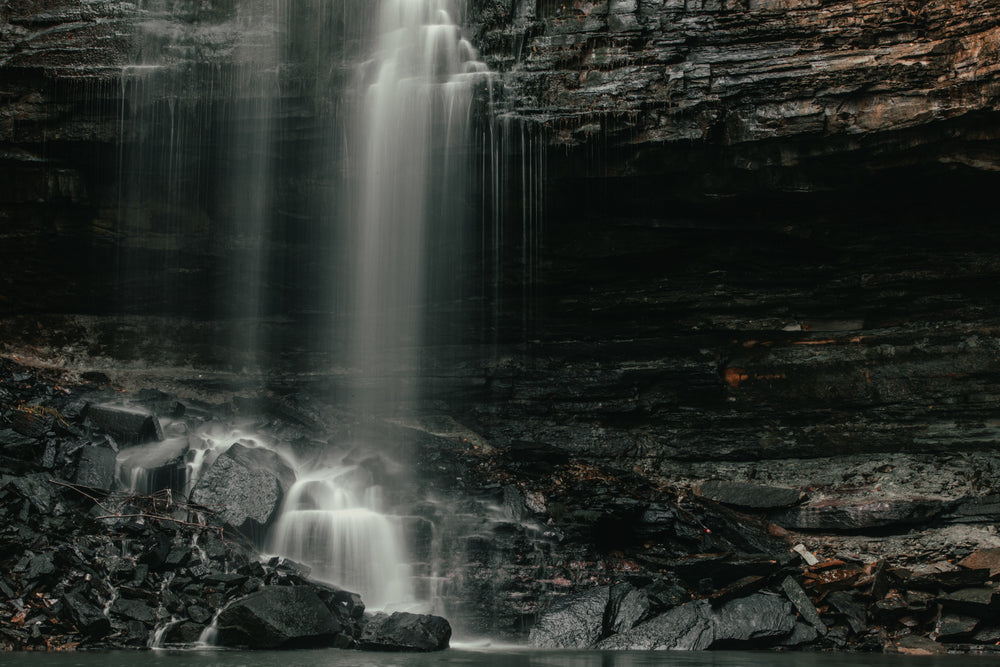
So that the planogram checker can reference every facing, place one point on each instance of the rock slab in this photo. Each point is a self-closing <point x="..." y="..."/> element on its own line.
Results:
<point x="403" y="631"/>
<point x="278" y="617"/>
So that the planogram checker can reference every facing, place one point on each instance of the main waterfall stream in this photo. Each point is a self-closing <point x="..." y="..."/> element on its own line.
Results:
<point x="403" y="132"/>
<point x="410" y="134"/>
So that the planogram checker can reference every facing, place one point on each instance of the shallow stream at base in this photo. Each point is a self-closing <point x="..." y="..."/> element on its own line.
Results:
<point x="484" y="657"/>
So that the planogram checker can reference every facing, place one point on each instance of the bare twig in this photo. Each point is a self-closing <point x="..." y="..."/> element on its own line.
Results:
<point x="157" y="517"/>
<point x="79" y="489"/>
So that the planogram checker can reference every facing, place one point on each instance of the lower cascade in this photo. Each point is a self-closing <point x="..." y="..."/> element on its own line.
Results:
<point x="337" y="527"/>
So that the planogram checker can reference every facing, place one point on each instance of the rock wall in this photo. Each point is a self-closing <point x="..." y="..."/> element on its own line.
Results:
<point x="744" y="70"/>
<point x="766" y="228"/>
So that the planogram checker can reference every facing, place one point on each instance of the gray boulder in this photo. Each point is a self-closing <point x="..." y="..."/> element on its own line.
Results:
<point x="278" y="617"/>
<point x="755" y="620"/>
<point x="402" y="631"/>
<point x="688" y="627"/>
<point x="97" y="466"/>
<point x="245" y="487"/>
<point x="627" y="607"/>
<point x="574" y="622"/>
<point x="128" y="424"/>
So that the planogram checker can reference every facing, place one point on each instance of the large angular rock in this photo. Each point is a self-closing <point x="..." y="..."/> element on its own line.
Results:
<point x="689" y="627"/>
<point x="402" y="631"/>
<point x="96" y="468"/>
<point x="627" y="607"/>
<point x="245" y="486"/>
<point x="278" y="617"/>
<point x="87" y="616"/>
<point x="574" y="622"/>
<point x="756" y="619"/>
<point x="127" y="424"/>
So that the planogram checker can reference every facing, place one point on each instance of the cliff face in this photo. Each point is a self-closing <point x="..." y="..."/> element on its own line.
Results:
<point x="734" y="71"/>
<point x="767" y="225"/>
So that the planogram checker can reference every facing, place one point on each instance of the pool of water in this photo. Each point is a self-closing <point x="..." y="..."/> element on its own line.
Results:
<point x="482" y="656"/>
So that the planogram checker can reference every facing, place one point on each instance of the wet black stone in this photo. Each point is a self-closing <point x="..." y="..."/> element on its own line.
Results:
<point x="803" y="604"/>
<point x="178" y="556"/>
<point x="804" y="633"/>
<point x="627" y="607"/>
<point x="184" y="633"/>
<point x="199" y="614"/>
<point x="686" y="628"/>
<point x="248" y="485"/>
<point x="981" y="602"/>
<point x="199" y="571"/>
<point x="759" y="619"/>
<point x="278" y="617"/>
<point x="932" y="579"/>
<point x="226" y="579"/>
<point x="49" y="456"/>
<point x="41" y="567"/>
<point x="87" y="616"/>
<point x="666" y="592"/>
<point x="136" y="610"/>
<point x="402" y="631"/>
<point x="339" y="601"/>
<point x="576" y="621"/>
<point x="955" y="627"/>
<point x="96" y="468"/>
<point x="129" y="425"/>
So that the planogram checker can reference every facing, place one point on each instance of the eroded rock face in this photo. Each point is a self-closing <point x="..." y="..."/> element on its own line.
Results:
<point x="744" y="70"/>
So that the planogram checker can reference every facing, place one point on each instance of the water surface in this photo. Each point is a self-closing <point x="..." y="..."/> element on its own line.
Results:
<point x="485" y="657"/>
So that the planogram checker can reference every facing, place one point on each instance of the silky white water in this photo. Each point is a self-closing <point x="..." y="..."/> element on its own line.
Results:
<point x="409" y="152"/>
<point x="412" y="156"/>
<point x="402" y="133"/>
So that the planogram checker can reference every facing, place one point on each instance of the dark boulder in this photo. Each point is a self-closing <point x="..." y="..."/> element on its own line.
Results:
<point x="980" y="602"/>
<point x="576" y="621"/>
<point x="87" y="616"/>
<point x="757" y="619"/>
<point x="955" y="627"/>
<point x="845" y="603"/>
<point x="96" y="468"/>
<point x="128" y="424"/>
<point x="803" y="604"/>
<point x="278" y="617"/>
<point x="246" y="485"/>
<point x="136" y="610"/>
<point x="685" y="628"/>
<point x="627" y="607"/>
<point x="402" y="631"/>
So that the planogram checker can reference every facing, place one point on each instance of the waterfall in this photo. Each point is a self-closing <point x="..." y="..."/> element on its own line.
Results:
<point x="342" y="130"/>
<point x="413" y="162"/>
<point x="410" y="155"/>
<point x="334" y="522"/>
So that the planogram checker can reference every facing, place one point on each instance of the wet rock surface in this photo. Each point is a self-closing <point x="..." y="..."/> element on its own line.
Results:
<point x="402" y="631"/>
<point x="278" y="617"/>
<point x="575" y="555"/>
<point x="88" y="566"/>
